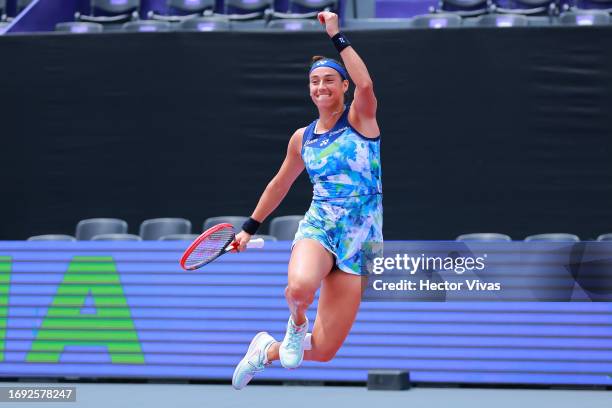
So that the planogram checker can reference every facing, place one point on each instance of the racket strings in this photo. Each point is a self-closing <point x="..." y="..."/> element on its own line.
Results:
<point x="210" y="247"/>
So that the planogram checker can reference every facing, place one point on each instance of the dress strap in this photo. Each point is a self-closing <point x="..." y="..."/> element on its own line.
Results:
<point x="343" y="121"/>
<point x="308" y="132"/>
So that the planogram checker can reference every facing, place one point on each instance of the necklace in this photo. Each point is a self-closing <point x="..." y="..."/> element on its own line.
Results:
<point x="332" y="115"/>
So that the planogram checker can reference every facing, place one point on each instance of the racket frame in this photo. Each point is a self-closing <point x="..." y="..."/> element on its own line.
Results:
<point x="201" y="238"/>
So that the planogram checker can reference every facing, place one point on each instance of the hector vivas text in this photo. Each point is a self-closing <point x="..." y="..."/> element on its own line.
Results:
<point x="409" y="265"/>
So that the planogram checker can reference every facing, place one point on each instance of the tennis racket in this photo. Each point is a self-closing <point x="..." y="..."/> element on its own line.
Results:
<point x="211" y="244"/>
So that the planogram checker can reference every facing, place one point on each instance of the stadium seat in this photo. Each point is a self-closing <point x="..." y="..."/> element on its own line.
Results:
<point x="463" y="8"/>
<point x="154" y="229"/>
<point x="312" y="6"/>
<point x="525" y="7"/>
<point x="584" y="18"/>
<point x="437" y="20"/>
<point x="78" y="27"/>
<point x="236" y="221"/>
<point x="502" y="20"/>
<point x="285" y="227"/>
<point x="52" y="237"/>
<point x="116" y="237"/>
<point x="544" y="276"/>
<point x="87" y="229"/>
<point x="178" y="237"/>
<point x="248" y="25"/>
<point x="295" y="25"/>
<point x="594" y="274"/>
<point x="484" y="237"/>
<point x="237" y="10"/>
<point x="376" y="23"/>
<point x="146" y="26"/>
<point x="554" y="237"/>
<point x="602" y="5"/>
<point x="179" y="10"/>
<point x="541" y="21"/>
<point x="205" y="24"/>
<point x="306" y="8"/>
<point x="110" y="11"/>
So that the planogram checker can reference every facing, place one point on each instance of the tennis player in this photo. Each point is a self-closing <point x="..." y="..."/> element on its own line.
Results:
<point x="341" y="152"/>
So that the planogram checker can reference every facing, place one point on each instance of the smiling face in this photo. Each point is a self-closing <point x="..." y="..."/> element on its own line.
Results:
<point x="327" y="87"/>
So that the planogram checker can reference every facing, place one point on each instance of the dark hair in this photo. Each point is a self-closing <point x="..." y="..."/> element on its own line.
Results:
<point x="316" y="58"/>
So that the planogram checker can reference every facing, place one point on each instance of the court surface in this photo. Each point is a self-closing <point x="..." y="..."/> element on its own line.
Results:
<point x="256" y="396"/>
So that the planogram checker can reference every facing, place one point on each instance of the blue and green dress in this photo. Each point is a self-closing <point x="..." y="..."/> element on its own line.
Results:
<point x="346" y="208"/>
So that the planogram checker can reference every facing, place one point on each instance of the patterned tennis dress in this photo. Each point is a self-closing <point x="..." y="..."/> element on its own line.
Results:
<point x="346" y="208"/>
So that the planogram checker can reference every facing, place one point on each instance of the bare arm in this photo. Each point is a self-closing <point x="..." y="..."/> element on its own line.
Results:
<point x="364" y="99"/>
<point x="363" y="109"/>
<point x="279" y="186"/>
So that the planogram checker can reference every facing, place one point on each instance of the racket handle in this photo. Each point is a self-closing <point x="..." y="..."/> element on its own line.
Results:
<point x="256" y="243"/>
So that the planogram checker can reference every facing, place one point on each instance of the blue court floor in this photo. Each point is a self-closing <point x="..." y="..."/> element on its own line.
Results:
<point x="259" y="396"/>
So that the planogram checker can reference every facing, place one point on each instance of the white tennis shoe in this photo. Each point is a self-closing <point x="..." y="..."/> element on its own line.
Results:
<point x="254" y="361"/>
<point x="291" y="351"/>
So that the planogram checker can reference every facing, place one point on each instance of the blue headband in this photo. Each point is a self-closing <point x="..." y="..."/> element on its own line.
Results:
<point x="329" y="64"/>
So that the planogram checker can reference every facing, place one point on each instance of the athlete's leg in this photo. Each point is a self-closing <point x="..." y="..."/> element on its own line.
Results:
<point x="310" y="263"/>
<point x="339" y="302"/>
<point x="338" y="305"/>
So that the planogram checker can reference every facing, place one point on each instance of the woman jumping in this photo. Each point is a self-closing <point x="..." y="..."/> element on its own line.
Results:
<point x="341" y="152"/>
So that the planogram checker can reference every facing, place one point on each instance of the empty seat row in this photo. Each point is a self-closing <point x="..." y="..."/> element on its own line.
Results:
<point x="120" y="11"/>
<point x="437" y="20"/>
<point x="167" y="229"/>
<point x="111" y="11"/>
<point x="470" y="8"/>
<point x="551" y="237"/>
<point x="450" y="20"/>
<point x="192" y="24"/>
<point x="501" y="20"/>
<point x="281" y="228"/>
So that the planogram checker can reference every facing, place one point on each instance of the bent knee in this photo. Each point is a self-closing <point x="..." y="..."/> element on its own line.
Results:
<point x="299" y="292"/>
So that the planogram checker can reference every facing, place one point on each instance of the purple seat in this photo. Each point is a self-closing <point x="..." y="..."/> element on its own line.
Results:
<point x="180" y="10"/>
<point x="436" y="20"/>
<point x="307" y="8"/>
<point x="584" y="18"/>
<point x="464" y="8"/>
<point x="526" y="7"/>
<point x="79" y="27"/>
<point x="603" y="5"/>
<point x="110" y="11"/>
<point x="240" y="10"/>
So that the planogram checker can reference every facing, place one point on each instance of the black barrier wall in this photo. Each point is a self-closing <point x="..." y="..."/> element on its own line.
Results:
<point x="483" y="129"/>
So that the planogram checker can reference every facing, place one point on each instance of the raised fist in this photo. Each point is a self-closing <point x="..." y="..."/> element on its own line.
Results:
<point x="330" y="21"/>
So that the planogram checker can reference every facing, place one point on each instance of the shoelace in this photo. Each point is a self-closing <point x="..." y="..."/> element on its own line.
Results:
<point x="295" y="338"/>
<point x="258" y="367"/>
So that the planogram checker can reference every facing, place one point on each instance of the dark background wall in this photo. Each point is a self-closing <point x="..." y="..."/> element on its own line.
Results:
<point x="483" y="130"/>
